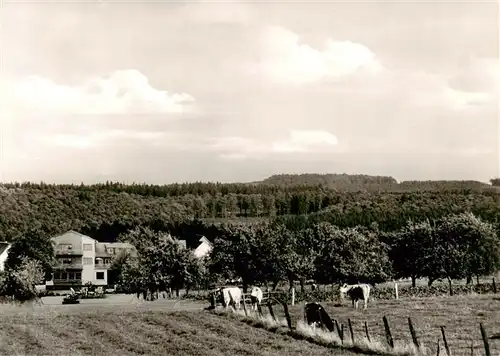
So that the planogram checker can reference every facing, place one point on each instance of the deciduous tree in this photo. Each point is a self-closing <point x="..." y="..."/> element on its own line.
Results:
<point x="34" y="245"/>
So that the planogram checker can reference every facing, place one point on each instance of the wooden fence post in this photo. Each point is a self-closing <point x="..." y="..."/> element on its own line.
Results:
<point x="259" y="308"/>
<point x="287" y="316"/>
<point x="494" y="286"/>
<point x="388" y="334"/>
<point x="446" y="347"/>
<point x="413" y="334"/>
<point x="472" y="348"/>
<point x="350" y="330"/>
<point x="366" y="332"/>
<point x="340" y="330"/>
<point x="485" y="340"/>
<point x="293" y="296"/>
<point x="396" y="289"/>
<point x="271" y="311"/>
<point x="437" y="352"/>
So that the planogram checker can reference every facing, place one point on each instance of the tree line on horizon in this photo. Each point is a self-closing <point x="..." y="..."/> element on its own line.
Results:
<point x="288" y="183"/>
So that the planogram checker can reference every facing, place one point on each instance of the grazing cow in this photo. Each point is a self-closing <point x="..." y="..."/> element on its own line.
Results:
<point x="256" y="296"/>
<point x="356" y="292"/>
<point x="222" y="295"/>
<point x="317" y="316"/>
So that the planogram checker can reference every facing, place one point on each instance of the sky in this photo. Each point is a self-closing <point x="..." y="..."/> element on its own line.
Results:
<point x="163" y="92"/>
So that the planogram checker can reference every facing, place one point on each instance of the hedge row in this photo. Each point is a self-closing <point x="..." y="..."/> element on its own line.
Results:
<point x="438" y="290"/>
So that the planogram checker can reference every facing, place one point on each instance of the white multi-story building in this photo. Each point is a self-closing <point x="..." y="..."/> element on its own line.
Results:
<point x="82" y="259"/>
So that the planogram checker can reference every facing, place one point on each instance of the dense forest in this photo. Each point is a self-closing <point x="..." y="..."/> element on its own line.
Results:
<point x="187" y="210"/>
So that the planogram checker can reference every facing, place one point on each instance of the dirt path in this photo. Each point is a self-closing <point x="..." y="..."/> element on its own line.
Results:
<point x="116" y="302"/>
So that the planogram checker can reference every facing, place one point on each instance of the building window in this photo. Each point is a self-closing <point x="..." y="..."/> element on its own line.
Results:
<point x="99" y="275"/>
<point x="66" y="261"/>
<point x="87" y="260"/>
<point x="68" y="276"/>
<point x="87" y="247"/>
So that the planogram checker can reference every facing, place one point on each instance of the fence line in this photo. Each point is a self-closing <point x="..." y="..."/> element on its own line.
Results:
<point x="417" y="349"/>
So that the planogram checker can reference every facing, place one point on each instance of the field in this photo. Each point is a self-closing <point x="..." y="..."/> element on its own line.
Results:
<point x="460" y="315"/>
<point x="138" y="329"/>
<point x="121" y="325"/>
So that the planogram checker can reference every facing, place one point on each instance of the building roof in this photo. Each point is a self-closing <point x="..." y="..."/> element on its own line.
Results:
<point x="100" y="247"/>
<point x="3" y="246"/>
<point x="203" y="239"/>
<point x="116" y="244"/>
<point x="72" y="232"/>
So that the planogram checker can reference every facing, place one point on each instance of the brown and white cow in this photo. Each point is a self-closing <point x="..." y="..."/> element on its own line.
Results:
<point x="356" y="292"/>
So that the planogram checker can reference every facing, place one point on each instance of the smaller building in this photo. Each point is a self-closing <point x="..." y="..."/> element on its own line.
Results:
<point x="4" y="252"/>
<point x="204" y="248"/>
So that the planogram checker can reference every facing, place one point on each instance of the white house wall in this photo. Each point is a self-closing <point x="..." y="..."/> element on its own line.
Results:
<point x="3" y="258"/>
<point x="100" y="282"/>
<point x="88" y="274"/>
<point x="202" y="250"/>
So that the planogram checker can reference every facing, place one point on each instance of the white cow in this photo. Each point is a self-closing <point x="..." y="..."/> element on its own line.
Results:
<point x="356" y="292"/>
<point x="256" y="295"/>
<point x="222" y="294"/>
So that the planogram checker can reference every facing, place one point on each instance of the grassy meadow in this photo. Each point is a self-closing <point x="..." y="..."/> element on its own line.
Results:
<point x="132" y="330"/>
<point x="120" y="325"/>
<point x="460" y="315"/>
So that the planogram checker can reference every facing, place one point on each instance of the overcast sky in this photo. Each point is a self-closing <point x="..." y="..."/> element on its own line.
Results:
<point x="236" y="91"/>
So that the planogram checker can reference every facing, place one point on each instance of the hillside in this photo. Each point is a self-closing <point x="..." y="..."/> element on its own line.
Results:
<point x="107" y="210"/>
<point x="337" y="181"/>
<point x="121" y="332"/>
<point x="356" y="182"/>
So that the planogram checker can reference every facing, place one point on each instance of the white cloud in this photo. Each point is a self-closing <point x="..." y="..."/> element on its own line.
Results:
<point x="123" y="92"/>
<point x="459" y="99"/>
<point x="481" y="75"/>
<point x="299" y="141"/>
<point x="306" y="141"/>
<point x="418" y="89"/>
<point x="91" y="140"/>
<point x="285" y="60"/>
<point x="216" y="12"/>
<point x="475" y="84"/>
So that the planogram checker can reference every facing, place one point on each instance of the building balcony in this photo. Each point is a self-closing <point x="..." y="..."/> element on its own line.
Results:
<point x="68" y="266"/>
<point x="102" y="265"/>
<point x="67" y="281"/>
<point x="70" y="252"/>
